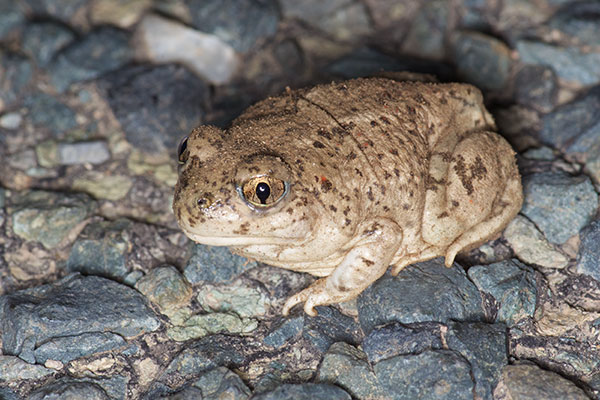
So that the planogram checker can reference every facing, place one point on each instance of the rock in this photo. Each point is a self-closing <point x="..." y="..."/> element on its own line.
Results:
<point x="166" y="288"/>
<point x="559" y="204"/>
<point x="62" y="349"/>
<point x="49" y="218"/>
<point x="104" y="258"/>
<point x="155" y="105"/>
<point x="47" y="113"/>
<point x="347" y="367"/>
<point x="103" y="186"/>
<point x="531" y="247"/>
<point x="512" y="285"/>
<point x="399" y="339"/>
<point x="536" y="87"/>
<point x="221" y="383"/>
<point x="475" y="15"/>
<point x="63" y="10"/>
<point x="439" y="374"/>
<point x="123" y="14"/>
<point x="11" y="121"/>
<point x="422" y="292"/>
<point x="330" y="326"/>
<point x="215" y="264"/>
<point x="161" y="40"/>
<point x="13" y="370"/>
<point x="588" y="259"/>
<point x="570" y="63"/>
<point x="285" y="332"/>
<point x="73" y="306"/>
<point x="102" y="50"/>
<point x="198" y="326"/>
<point x="304" y="391"/>
<point x="579" y="20"/>
<point x="580" y="291"/>
<point x="187" y="365"/>
<point x="93" y="152"/>
<point x="484" y="347"/>
<point x="11" y="17"/>
<point x="532" y="382"/>
<point x="482" y="60"/>
<point x="237" y="298"/>
<point x="69" y="390"/>
<point x="43" y="40"/>
<point x="17" y="73"/>
<point x="427" y="33"/>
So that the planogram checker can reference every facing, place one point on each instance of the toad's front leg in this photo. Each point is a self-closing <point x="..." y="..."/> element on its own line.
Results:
<point x="364" y="263"/>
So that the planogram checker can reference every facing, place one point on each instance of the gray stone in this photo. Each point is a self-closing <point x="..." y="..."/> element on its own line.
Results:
<point x="513" y="286"/>
<point x="63" y="10"/>
<point x="536" y="86"/>
<point x="345" y="366"/>
<point x="166" y="288"/>
<point x="155" y="105"/>
<point x="422" y="292"/>
<point x="14" y="370"/>
<point x="104" y="258"/>
<point x="17" y="73"/>
<point x="100" y="51"/>
<point x="11" y="121"/>
<point x="221" y="383"/>
<point x="304" y="391"/>
<point x="48" y="217"/>
<point x="482" y="60"/>
<point x="330" y="326"/>
<point x="46" y="112"/>
<point x="580" y="20"/>
<point x="69" y="390"/>
<point x="588" y="259"/>
<point x="475" y="15"/>
<point x="439" y="374"/>
<point x="42" y="40"/>
<point x="532" y="382"/>
<point x="485" y="348"/>
<point x="95" y="152"/>
<point x="569" y="63"/>
<point x="285" y="332"/>
<point x="241" y="24"/>
<point x="73" y="306"/>
<point x="427" y="34"/>
<point x="558" y="203"/>
<point x="67" y="348"/>
<point x="11" y="17"/>
<point x="215" y="264"/>
<point x="238" y="298"/>
<point x="398" y="339"/>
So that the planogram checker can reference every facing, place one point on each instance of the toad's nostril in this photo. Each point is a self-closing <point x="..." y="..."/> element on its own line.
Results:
<point x="202" y="202"/>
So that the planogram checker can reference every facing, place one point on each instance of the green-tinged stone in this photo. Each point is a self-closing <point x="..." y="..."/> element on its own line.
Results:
<point x="166" y="288"/>
<point x="244" y="301"/>
<point x="109" y="187"/>
<point x="139" y="164"/>
<point x="13" y="369"/>
<point x="199" y="326"/>
<point x="47" y="154"/>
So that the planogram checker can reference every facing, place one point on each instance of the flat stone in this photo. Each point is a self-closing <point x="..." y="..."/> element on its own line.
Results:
<point x="532" y="382"/>
<point x="104" y="258"/>
<point x="331" y="326"/>
<point x="559" y="204"/>
<point x="347" y="367"/>
<point x="47" y="217"/>
<point x="482" y="60"/>
<point x="285" y="332"/>
<point x="15" y="370"/>
<point x="530" y="245"/>
<point x="199" y="326"/>
<point x="221" y="383"/>
<point x="237" y="298"/>
<point x="102" y="50"/>
<point x="422" y="292"/>
<point x="513" y="286"/>
<point x="304" y="391"/>
<point x="72" y="306"/>
<point x="579" y="20"/>
<point x="69" y="390"/>
<point x="11" y="17"/>
<point x="63" y="10"/>
<point x="166" y="288"/>
<point x="536" y="86"/>
<point x="215" y="264"/>
<point x="63" y="349"/>
<point x="94" y="152"/>
<point x="43" y="40"/>
<point x="162" y="40"/>
<point x="484" y="347"/>
<point x="11" y="121"/>
<point x="427" y="34"/>
<point x="399" y="339"/>
<point x="103" y="186"/>
<point x="17" y="72"/>
<point x="588" y="259"/>
<point x="569" y="63"/>
<point x="155" y="105"/>
<point x="433" y="374"/>
<point x="46" y="112"/>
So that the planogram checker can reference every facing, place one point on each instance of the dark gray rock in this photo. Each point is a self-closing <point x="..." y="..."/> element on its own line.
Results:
<point x="240" y="24"/>
<point x="475" y="15"/>
<point x="569" y="63"/>
<point x="156" y="106"/>
<point x="63" y="10"/>
<point x="63" y="349"/>
<point x="14" y="370"/>
<point x="284" y="332"/>
<point x="42" y="40"/>
<point x="558" y="203"/>
<point x="69" y="390"/>
<point x="588" y="259"/>
<point x="427" y="34"/>
<point x="536" y="87"/>
<point x="17" y="72"/>
<point x="330" y="326"/>
<point x="482" y="60"/>
<point x="485" y="348"/>
<point x="11" y="17"/>
<point x="512" y="285"/>
<point x="46" y="112"/>
<point x="104" y="258"/>
<point x="215" y="264"/>
<point x="73" y="306"/>
<point x="100" y="51"/>
<point x="580" y="20"/>
<point x="221" y="383"/>
<point x="399" y="339"/>
<point x="439" y="374"/>
<point x="305" y="391"/>
<point x="422" y="292"/>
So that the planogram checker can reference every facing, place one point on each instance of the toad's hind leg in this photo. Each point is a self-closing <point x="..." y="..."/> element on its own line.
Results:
<point x="476" y="191"/>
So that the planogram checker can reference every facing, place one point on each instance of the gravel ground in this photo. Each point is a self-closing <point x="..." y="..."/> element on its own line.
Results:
<point x="102" y="297"/>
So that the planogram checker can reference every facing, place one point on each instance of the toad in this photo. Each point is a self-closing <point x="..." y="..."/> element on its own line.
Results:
<point x="343" y="180"/>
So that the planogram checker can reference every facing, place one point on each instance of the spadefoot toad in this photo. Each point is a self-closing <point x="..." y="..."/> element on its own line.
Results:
<point x="345" y="179"/>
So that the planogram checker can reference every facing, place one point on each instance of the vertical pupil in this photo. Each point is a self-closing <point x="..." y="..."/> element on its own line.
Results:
<point x="263" y="191"/>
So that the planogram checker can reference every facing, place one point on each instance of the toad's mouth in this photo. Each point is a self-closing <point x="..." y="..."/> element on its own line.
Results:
<point x="242" y="240"/>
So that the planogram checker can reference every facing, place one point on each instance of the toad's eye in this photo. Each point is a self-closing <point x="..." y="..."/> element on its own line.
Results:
<point x="182" y="154"/>
<point x="263" y="191"/>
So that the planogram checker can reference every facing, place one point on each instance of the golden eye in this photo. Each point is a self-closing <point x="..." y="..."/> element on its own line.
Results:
<point x="263" y="191"/>
<point x="182" y="155"/>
